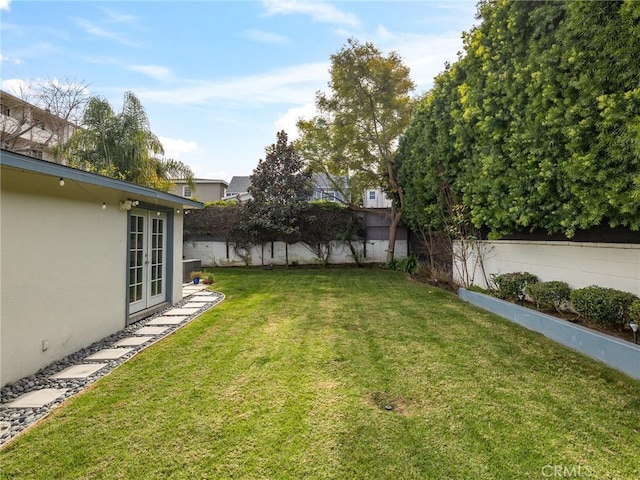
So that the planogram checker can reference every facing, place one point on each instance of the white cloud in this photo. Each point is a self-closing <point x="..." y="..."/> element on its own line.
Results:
<point x="426" y="55"/>
<point x="288" y="121"/>
<point x="290" y="85"/>
<point x="319" y="11"/>
<point x="265" y="37"/>
<point x="177" y="148"/>
<point x="154" y="71"/>
<point x="15" y="61"/>
<point x="4" y="4"/>
<point x="96" y="31"/>
<point x="117" y="17"/>
<point x="16" y="86"/>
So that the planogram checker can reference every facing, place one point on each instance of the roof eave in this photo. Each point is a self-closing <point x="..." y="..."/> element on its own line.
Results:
<point x="30" y="164"/>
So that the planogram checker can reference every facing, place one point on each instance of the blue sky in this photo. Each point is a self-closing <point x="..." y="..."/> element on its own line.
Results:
<point x="218" y="79"/>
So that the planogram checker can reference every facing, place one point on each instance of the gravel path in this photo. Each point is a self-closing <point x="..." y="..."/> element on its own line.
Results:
<point x="15" y="420"/>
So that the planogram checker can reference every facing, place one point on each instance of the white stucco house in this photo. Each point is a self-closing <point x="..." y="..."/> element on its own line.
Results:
<point x="81" y="257"/>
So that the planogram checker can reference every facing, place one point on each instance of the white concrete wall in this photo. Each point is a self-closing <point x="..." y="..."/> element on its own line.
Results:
<point x="215" y="253"/>
<point x="579" y="264"/>
<point x="63" y="262"/>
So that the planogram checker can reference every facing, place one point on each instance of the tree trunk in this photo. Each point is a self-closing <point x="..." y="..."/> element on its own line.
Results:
<point x="393" y="232"/>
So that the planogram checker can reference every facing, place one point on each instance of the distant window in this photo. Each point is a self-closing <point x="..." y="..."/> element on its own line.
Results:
<point x="186" y="191"/>
<point x="329" y="195"/>
<point x="5" y="110"/>
<point x="36" y="154"/>
<point x="372" y="194"/>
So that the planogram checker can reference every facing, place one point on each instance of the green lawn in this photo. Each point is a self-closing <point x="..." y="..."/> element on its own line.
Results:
<point x="289" y="378"/>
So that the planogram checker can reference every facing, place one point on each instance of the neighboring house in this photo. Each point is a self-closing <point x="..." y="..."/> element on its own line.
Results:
<point x="82" y="256"/>
<point x="30" y="130"/>
<point x="204" y="189"/>
<point x="323" y="189"/>
<point x="376" y="198"/>
<point x="238" y="186"/>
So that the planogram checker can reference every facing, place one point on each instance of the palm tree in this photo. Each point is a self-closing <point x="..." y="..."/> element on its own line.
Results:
<point x="122" y="146"/>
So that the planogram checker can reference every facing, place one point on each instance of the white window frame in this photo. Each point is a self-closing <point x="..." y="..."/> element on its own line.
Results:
<point x="372" y="194"/>
<point x="186" y="191"/>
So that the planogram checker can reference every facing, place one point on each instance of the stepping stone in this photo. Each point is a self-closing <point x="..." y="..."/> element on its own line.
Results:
<point x="167" y="320"/>
<point x="193" y="304"/>
<point x="203" y="293"/>
<point x="80" y="371"/>
<point x="151" y="331"/>
<point x="37" y="398"/>
<point x="199" y="301"/>
<point x="192" y="289"/>
<point x="132" y="341"/>
<point x="182" y="311"/>
<point x="109" y="354"/>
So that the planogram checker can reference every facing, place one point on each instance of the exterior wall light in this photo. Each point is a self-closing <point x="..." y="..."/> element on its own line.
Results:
<point x="127" y="204"/>
<point x="61" y="182"/>
<point x="104" y="206"/>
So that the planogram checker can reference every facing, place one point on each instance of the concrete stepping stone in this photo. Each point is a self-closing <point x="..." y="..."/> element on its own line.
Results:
<point x="199" y="301"/>
<point x="172" y="320"/>
<point x="182" y="311"/>
<point x="132" y="341"/>
<point x="37" y="398"/>
<point x="151" y="331"/>
<point x="80" y="371"/>
<point x="192" y="289"/>
<point x="203" y="293"/>
<point x="191" y="304"/>
<point x="109" y="354"/>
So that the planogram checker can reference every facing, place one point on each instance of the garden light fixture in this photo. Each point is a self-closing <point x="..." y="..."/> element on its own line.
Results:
<point x="521" y="297"/>
<point x="634" y="327"/>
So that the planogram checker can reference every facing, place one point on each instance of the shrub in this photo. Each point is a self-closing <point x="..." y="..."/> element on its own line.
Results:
<point x="509" y="284"/>
<point x="207" y="278"/>
<point x="634" y="311"/>
<point x="603" y="306"/>
<point x="406" y="264"/>
<point x="549" y="294"/>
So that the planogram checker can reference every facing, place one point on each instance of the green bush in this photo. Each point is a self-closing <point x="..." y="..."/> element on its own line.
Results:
<point x="603" y="306"/>
<point x="406" y="264"/>
<point x="509" y="284"/>
<point x="549" y="294"/>
<point x="634" y="311"/>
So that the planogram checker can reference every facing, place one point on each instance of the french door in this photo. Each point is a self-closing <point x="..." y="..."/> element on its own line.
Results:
<point x="147" y="259"/>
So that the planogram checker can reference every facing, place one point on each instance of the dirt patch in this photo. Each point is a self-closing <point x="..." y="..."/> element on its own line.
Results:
<point x="387" y="402"/>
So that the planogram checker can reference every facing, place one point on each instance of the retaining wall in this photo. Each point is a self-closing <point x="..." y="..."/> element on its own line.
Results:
<point x="619" y="354"/>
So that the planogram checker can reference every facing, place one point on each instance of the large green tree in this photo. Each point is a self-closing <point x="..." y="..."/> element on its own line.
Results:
<point x="281" y="188"/>
<point x="122" y="145"/>
<point x="359" y="122"/>
<point x="537" y="125"/>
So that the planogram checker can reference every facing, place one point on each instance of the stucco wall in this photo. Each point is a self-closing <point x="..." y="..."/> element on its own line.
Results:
<point x="63" y="262"/>
<point x="579" y="264"/>
<point x="176" y="289"/>
<point x="215" y="253"/>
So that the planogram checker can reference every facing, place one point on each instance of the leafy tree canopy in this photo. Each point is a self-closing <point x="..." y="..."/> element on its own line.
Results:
<point x="536" y="126"/>
<point x="122" y="145"/>
<point x="360" y="120"/>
